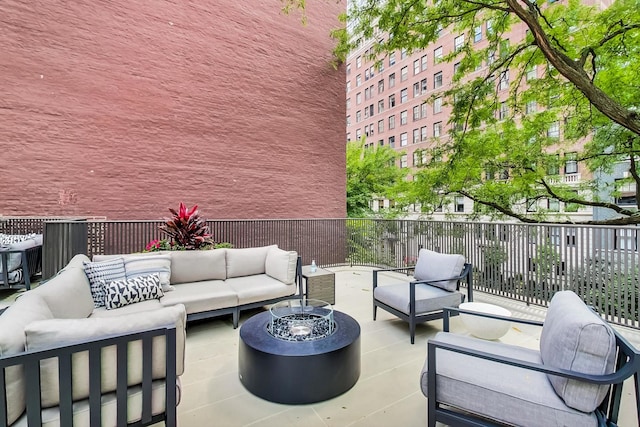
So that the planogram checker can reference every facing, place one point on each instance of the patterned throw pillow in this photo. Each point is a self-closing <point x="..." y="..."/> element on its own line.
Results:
<point x="103" y="272"/>
<point x="144" y="265"/>
<point x="7" y="239"/>
<point x="124" y="292"/>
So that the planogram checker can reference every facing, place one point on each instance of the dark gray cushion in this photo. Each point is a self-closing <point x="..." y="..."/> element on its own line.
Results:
<point x="433" y="267"/>
<point x="428" y="298"/>
<point x="507" y="394"/>
<point x="575" y="338"/>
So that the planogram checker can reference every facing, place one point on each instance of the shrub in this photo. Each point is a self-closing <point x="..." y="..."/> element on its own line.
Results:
<point x="187" y="230"/>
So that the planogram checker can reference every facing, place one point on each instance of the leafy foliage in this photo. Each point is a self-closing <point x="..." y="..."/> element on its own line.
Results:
<point x="371" y="172"/>
<point x="186" y="229"/>
<point x="522" y="103"/>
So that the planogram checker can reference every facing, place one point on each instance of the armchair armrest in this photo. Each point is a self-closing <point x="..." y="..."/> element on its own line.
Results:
<point x="375" y="273"/>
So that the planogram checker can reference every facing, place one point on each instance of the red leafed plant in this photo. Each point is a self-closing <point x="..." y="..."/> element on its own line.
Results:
<point x="186" y="229"/>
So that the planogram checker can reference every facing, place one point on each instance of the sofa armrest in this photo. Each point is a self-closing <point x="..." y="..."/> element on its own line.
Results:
<point x="64" y="355"/>
<point x="454" y="311"/>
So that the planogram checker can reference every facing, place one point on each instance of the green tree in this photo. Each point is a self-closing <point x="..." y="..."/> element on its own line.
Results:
<point x="371" y="172"/>
<point x="522" y="107"/>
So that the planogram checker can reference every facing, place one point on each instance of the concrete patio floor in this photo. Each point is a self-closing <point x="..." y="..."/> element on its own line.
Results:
<point x="387" y="393"/>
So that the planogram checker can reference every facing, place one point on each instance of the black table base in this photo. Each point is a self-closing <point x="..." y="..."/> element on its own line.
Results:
<point x="299" y="372"/>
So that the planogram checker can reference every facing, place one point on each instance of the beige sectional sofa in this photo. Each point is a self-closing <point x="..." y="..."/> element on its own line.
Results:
<point x="59" y="319"/>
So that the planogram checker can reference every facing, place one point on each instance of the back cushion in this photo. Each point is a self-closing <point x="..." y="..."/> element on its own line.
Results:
<point x="247" y="262"/>
<point x="144" y="265"/>
<point x="196" y="266"/>
<point x="29" y="308"/>
<point x="102" y="272"/>
<point x="48" y="333"/>
<point x="576" y="339"/>
<point x="14" y="260"/>
<point x="434" y="266"/>
<point x="281" y="265"/>
<point x="68" y="294"/>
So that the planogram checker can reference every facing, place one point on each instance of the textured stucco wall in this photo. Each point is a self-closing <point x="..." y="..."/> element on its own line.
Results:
<point x="123" y="109"/>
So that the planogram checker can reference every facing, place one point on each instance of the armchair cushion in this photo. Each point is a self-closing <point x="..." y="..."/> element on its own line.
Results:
<point x="575" y="338"/>
<point x="434" y="266"/>
<point x="428" y="298"/>
<point x="501" y="392"/>
<point x="281" y="265"/>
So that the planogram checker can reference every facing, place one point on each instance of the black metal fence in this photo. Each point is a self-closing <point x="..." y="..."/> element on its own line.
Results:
<point x="527" y="262"/>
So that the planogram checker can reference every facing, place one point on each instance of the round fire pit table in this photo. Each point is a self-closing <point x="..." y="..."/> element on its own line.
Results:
<point x="294" y="370"/>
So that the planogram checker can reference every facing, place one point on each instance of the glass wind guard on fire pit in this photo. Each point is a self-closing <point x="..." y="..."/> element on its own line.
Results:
<point x="301" y="320"/>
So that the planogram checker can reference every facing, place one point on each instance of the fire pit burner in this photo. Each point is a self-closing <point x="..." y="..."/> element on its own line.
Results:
<point x="301" y="320"/>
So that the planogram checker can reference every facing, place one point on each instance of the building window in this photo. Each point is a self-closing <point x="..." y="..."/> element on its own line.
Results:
<point x="348" y="103"/>
<point x="437" y="55"/>
<point x="392" y="122"/>
<point x="458" y="42"/>
<point x="477" y="34"/>
<point x="403" y="53"/>
<point x="456" y="67"/>
<point x="553" y="205"/>
<point x="437" y="129"/>
<point x="417" y="158"/>
<point x="416" y="89"/>
<point x="380" y="142"/>
<point x="366" y="112"/>
<point x="626" y="238"/>
<point x="423" y="133"/>
<point x="554" y="130"/>
<point x="404" y="74"/>
<point x="392" y="80"/>
<point x="380" y="86"/>
<point x="358" y="80"/>
<point x="371" y="110"/>
<point x="358" y="134"/>
<point x="626" y="193"/>
<point x="403" y="117"/>
<point x="403" y="139"/>
<point x="366" y="74"/>
<point x="358" y="61"/>
<point x="423" y="62"/>
<point x="392" y="101"/>
<point x="348" y="86"/>
<point x="571" y="163"/>
<point x="381" y="106"/>
<point x="404" y="95"/>
<point x="489" y="28"/>
<point x="491" y="57"/>
<point x="416" y="136"/>
<point x="423" y="86"/>
<point x="531" y="107"/>
<point x="403" y="161"/>
<point x="437" y="80"/>
<point x="416" y="67"/>
<point x="459" y="204"/>
<point x="380" y="126"/>
<point x="553" y="168"/>
<point x="437" y="105"/>
<point x="504" y="80"/>
<point x="366" y="93"/>
<point x="416" y="113"/>
<point x="423" y="110"/>
<point x="358" y="116"/>
<point x="348" y="69"/>
<point x="348" y="120"/>
<point x="392" y="59"/>
<point x="532" y="73"/>
<point x="504" y="111"/>
<point x="358" y="98"/>
<point x="392" y="141"/>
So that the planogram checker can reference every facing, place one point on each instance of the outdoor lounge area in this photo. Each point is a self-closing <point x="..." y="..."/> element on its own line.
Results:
<point x="387" y="391"/>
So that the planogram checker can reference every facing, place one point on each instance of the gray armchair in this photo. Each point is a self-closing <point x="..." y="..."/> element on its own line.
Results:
<point x="436" y="285"/>
<point x="574" y="379"/>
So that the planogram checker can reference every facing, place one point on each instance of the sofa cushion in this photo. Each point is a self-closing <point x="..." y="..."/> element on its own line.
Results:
<point x="129" y="291"/>
<point x="281" y="265"/>
<point x="28" y="308"/>
<point x="501" y="392"/>
<point x="69" y="285"/>
<point x="152" y="304"/>
<point x="575" y="338"/>
<point x="199" y="297"/>
<point x="247" y="261"/>
<point x="143" y="265"/>
<point x="428" y="298"/>
<point x="48" y="333"/>
<point x="259" y="287"/>
<point x="434" y="266"/>
<point x="196" y="266"/>
<point x="103" y="272"/>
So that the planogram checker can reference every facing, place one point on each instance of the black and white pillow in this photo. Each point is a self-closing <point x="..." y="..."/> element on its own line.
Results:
<point x="128" y="291"/>
<point x="102" y="272"/>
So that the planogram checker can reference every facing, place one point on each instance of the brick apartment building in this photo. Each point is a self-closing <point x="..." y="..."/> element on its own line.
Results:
<point x="122" y="109"/>
<point x="389" y="105"/>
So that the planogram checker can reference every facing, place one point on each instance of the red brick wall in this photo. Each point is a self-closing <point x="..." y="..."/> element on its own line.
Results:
<point x="123" y="109"/>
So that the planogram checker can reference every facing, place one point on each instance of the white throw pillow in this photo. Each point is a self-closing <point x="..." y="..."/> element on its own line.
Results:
<point x="144" y="265"/>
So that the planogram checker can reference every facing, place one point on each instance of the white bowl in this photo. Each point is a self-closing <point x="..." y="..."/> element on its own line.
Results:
<point x="483" y="327"/>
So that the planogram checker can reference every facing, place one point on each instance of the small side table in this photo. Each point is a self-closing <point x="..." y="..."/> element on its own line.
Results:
<point x="321" y="284"/>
